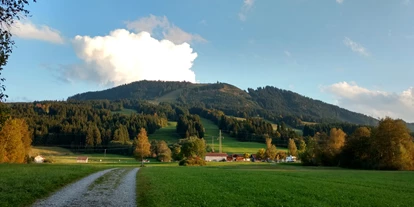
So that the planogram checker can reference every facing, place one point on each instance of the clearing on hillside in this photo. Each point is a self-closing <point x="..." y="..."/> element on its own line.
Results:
<point x="167" y="133"/>
<point x="230" y="144"/>
<point x="125" y="111"/>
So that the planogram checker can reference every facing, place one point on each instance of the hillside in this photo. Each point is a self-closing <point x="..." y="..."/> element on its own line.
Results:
<point x="268" y="102"/>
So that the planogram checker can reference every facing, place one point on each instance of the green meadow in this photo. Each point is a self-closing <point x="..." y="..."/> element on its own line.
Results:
<point x="265" y="184"/>
<point x="217" y="184"/>
<point x="229" y="144"/>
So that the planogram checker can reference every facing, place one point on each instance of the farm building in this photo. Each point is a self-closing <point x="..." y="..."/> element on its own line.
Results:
<point x="291" y="158"/>
<point x="215" y="156"/>
<point x="39" y="159"/>
<point x="82" y="159"/>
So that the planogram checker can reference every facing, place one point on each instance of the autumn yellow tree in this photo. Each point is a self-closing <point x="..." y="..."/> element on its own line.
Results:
<point x="271" y="150"/>
<point x="292" y="148"/>
<point x="142" y="146"/>
<point x="15" y="141"/>
<point x="163" y="152"/>
<point x="260" y="154"/>
<point x="393" y="146"/>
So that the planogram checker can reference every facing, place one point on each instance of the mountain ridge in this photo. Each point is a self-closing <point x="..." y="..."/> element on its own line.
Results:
<point x="269" y="102"/>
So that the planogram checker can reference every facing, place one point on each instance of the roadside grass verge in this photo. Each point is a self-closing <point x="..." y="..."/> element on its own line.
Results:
<point x="272" y="185"/>
<point x="22" y="184"/>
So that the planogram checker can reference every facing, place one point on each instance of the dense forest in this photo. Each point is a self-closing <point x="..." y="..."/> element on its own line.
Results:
<point x="83" y="125"/>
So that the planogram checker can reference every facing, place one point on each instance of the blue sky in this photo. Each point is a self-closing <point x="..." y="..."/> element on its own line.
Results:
<point x="358" y="54"/>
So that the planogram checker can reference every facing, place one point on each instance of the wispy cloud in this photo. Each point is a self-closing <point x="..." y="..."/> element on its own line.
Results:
<point x="287" y="53"/>
<point x="247" y="5"/>
<point x="339" y="1"/>
<point x="406" y="2"/>
<point x="356" y="47"/>
<point x="163" y="28"/>
<point x="375" y="103"/>
<point x="27" y="30"/>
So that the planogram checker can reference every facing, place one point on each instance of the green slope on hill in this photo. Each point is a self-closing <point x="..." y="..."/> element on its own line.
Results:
<point x="167" y="133"/>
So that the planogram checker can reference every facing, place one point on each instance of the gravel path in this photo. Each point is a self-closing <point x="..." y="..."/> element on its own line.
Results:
<point x="113" y="187"/>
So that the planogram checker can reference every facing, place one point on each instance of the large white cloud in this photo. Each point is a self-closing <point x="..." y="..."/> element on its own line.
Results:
<point x="374" y="103"/>
<point x="123" y="57"/>
<point x="28" y="30"/>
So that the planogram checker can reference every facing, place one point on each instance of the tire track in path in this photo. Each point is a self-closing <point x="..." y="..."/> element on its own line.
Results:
<point x="112" y="187"/>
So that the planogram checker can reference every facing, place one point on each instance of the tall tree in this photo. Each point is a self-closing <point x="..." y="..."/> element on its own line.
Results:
<point x="260" y="155"/>
<point x="302" y="146"/>
<point x="394" y="148"/>
<point x="142" y="146"/>
<point x="15" y="141"/>
<point x="292" y="147"/>
<point x="193" y="147"/>
<point x="271" y="150"/>
<point x="163" y="152"/>
<point x="357" y="150"/>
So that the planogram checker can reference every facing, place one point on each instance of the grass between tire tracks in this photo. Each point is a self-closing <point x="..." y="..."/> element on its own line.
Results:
<point x="272" y="185"/>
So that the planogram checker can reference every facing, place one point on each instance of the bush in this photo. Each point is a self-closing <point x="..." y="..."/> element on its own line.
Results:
<point x="194" y="161"/>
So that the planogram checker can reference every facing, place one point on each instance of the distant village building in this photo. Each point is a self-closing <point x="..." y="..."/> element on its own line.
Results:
<point x="291" y="158"/>
<point x="39" y="159"/>
<point x="82" y="159"/>
<point x="215" y="156"/>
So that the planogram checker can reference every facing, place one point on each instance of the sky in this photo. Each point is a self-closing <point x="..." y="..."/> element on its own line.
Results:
<point x="357" y="54"/>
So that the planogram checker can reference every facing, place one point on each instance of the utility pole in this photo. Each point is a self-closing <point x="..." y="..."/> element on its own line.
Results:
<point x="212" y="143"/>
<point x="105" y="153"/>
<point x="220" y="137"/>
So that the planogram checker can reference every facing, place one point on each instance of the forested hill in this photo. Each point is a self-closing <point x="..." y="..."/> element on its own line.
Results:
<point x="135" y="90"/>
<point x="287" y="102"/>
<point x="268" y="102"/>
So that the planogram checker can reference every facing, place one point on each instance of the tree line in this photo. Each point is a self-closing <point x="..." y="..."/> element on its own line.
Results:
<point x="389" y="146"/>
<point x="81" y="126"/>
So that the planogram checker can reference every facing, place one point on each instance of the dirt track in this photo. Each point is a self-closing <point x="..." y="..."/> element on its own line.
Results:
<point x="113" y="187"/>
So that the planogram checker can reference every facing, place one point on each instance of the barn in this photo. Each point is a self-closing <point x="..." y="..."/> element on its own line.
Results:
<point x="82" y="159"/>
<point x="215" y="156"/>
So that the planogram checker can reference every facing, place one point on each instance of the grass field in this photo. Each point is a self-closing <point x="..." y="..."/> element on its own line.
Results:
<point x="272" y="185"/>
<point x="230" y="144"/>
<point x="64" y="156"/>
<point x="167" y="133"/>
<point x="22" y="184"/>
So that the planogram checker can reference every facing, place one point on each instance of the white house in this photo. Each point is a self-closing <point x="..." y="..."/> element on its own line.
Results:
<point x="39" y="159"/>
<point x="215" y="156"/>
<point x="291" y="158"/>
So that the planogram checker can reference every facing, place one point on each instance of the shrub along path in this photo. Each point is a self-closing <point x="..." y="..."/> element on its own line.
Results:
<point x="112" y="187"/>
